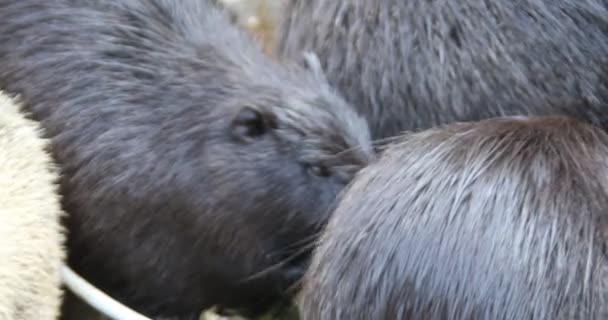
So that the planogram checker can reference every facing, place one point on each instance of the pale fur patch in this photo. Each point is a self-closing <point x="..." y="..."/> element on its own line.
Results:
<point x="31" y="237"/>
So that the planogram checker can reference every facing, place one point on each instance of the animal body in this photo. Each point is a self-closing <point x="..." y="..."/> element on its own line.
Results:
<point x="501" y="219"/>
<point x="31" y="235"/>
<point x="195" y="169"/>
<point x="409" y="65"/>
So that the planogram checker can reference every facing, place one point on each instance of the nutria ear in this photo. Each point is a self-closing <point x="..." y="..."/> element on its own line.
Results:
<point x="251" y="123"/>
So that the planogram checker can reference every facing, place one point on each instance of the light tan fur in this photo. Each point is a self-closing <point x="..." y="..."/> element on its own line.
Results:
<point x="31" y="237"/>
<point x="259" y="17"/>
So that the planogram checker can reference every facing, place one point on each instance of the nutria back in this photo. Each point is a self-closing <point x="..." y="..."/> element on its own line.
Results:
<point x="499" y="219"/>
<point x="412" y="65"/>
<point x="195" y="169"/>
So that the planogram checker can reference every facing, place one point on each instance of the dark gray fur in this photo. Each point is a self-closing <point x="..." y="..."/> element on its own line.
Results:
<point x="186" y="153"/>
<point x="504" y="219"/>
<point x="409" y="64"/>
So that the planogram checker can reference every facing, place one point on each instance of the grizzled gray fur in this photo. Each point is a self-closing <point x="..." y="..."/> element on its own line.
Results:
<point x="194" y="168"/>
<point x="414" y="64"/>
<point x="502" y="219"/>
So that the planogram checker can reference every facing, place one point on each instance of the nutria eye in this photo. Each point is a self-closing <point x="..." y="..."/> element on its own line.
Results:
<point x="319" y="171"/>
<point x="250" y="123"/>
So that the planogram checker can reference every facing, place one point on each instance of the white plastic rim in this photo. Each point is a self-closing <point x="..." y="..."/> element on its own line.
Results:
<point x="96" y="298"/>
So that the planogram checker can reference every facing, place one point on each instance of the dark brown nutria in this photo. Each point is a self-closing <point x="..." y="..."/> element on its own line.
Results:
<point x="410" y="65"/>
<point x="193" y="166"/>
<point x="501" y="219"/>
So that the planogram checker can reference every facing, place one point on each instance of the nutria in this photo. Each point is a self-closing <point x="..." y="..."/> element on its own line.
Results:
<point x="31" y="236"/>
<point x="194" y="168"/>
<point x="410" y="65"/>
<point x="500" y="219"/>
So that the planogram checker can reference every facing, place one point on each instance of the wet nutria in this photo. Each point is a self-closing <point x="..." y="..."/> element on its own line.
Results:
<point x="31" y="236"/>
<point x="500" y="219"/>
<point x="415" y="64"/>
<point x="194" y="167"/>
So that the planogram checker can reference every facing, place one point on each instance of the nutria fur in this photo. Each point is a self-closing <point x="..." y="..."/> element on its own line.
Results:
<point x="502" y="219"/>
<point x="415" y="64"/>
<point x="31" y="235"/>
<point x="193" y="165"/>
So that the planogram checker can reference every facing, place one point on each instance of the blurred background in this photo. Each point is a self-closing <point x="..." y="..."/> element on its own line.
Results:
<point x="259" y="17"/>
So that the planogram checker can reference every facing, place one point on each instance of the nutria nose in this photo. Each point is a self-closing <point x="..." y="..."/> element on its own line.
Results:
<point x="294" y="272"/>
